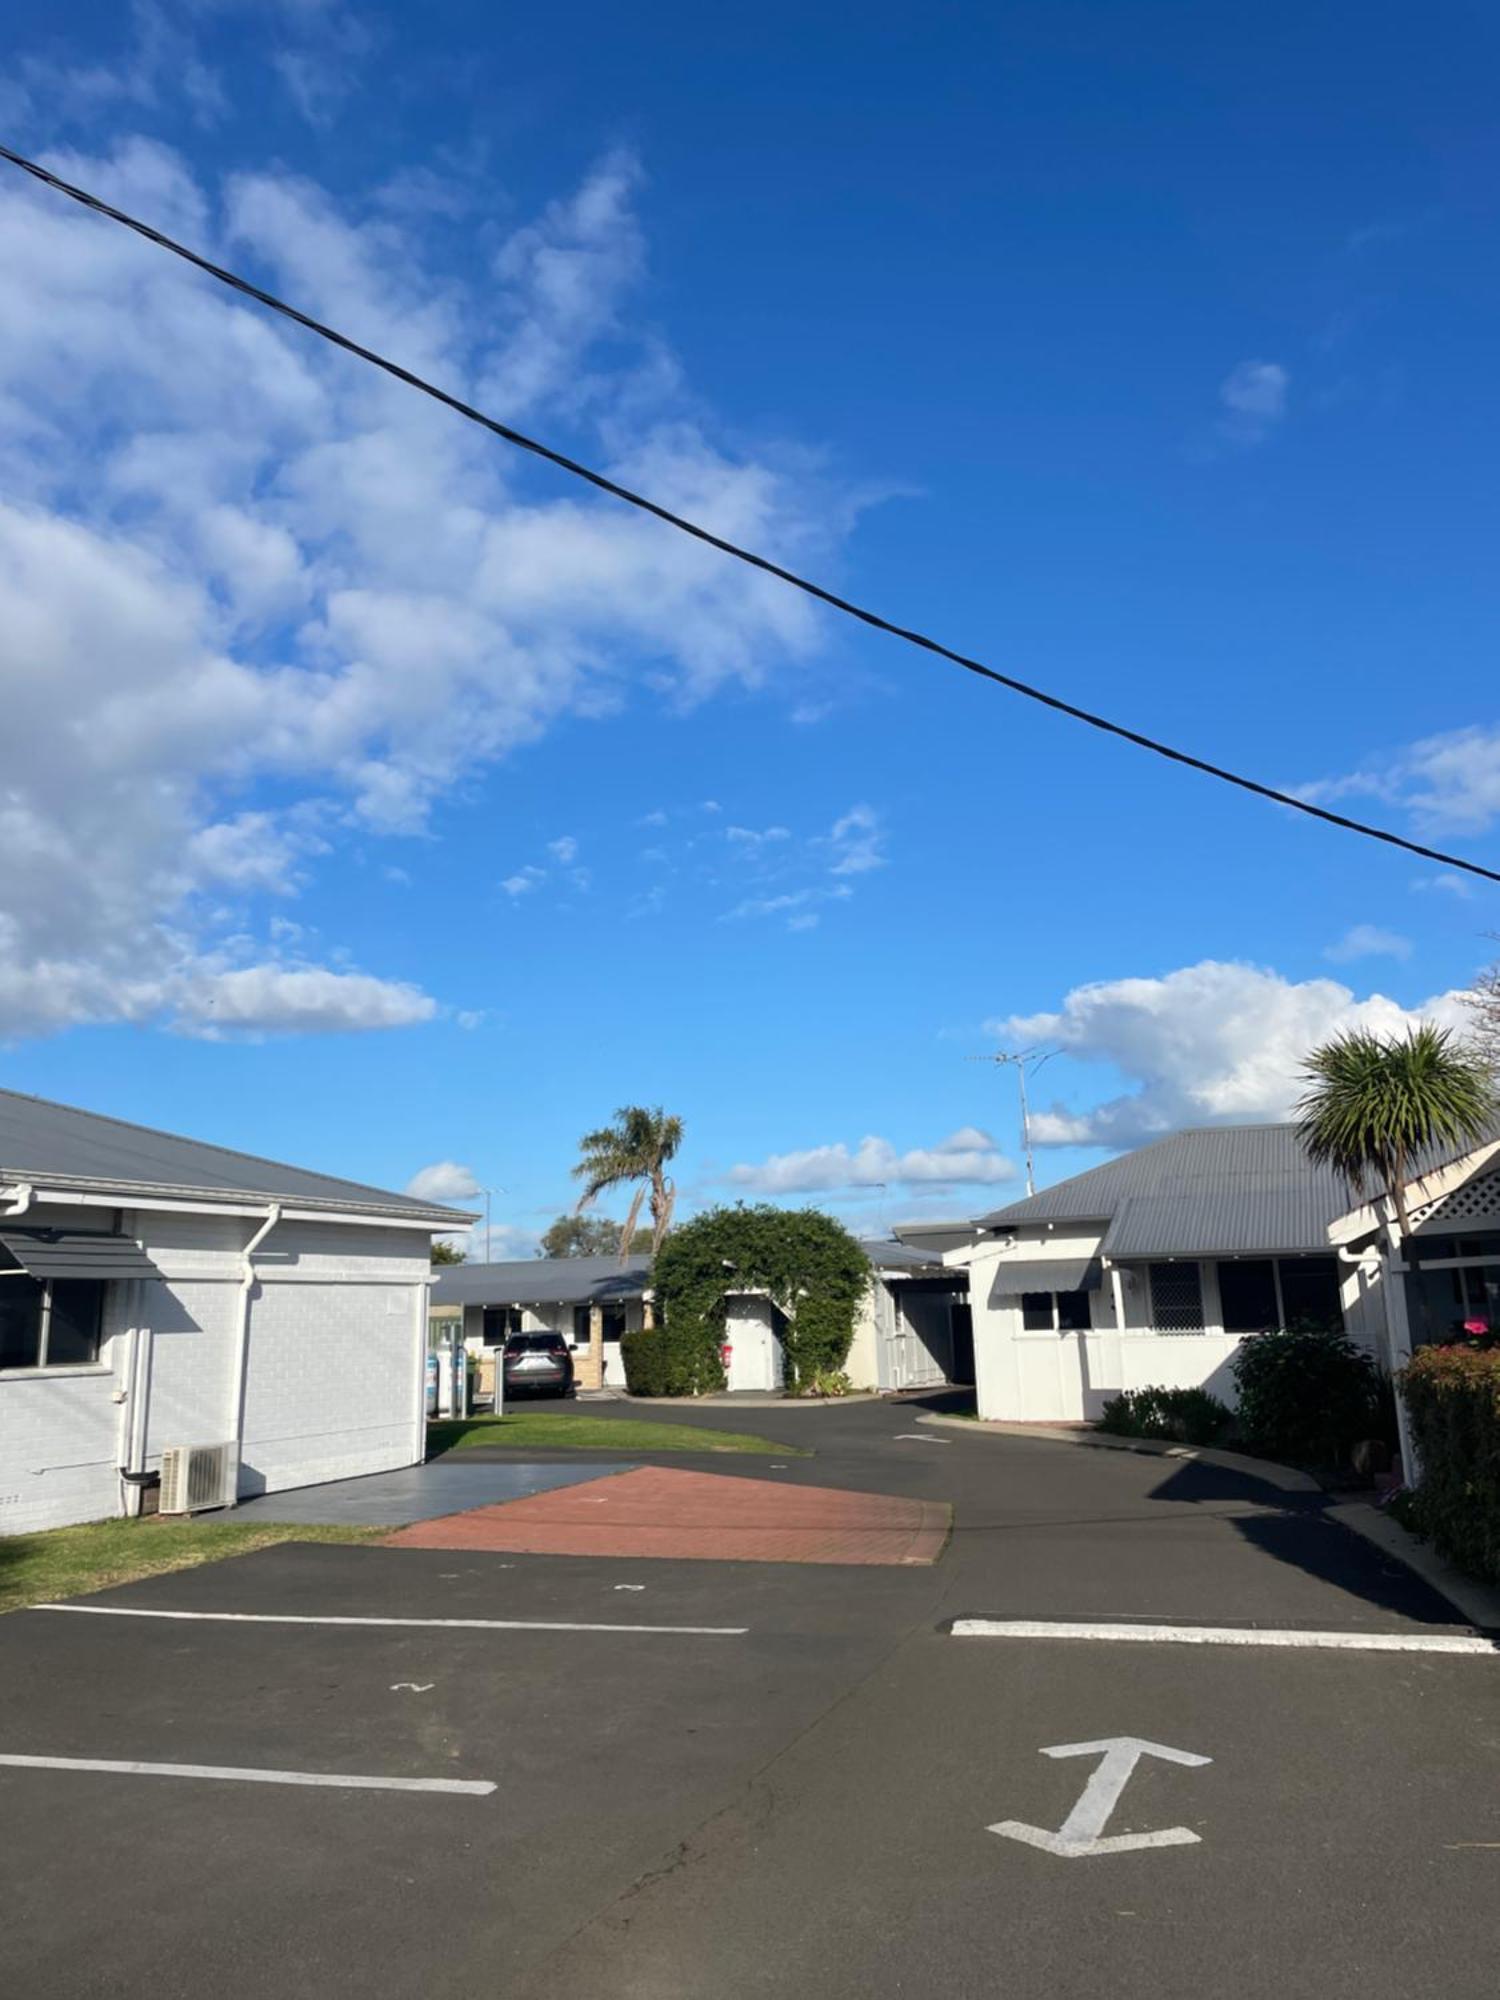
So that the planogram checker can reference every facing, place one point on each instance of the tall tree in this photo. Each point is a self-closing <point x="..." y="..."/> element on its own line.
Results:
<point x="447" y="1253"/>
<point x="634" y="1150"/>
<point x="589" y="1236"/>
<point x="1373" y="1107"/>
<point x="1484" y="1023"/>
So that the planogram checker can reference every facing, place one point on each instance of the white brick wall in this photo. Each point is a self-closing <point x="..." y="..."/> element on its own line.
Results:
<point x="331" y="1375"/>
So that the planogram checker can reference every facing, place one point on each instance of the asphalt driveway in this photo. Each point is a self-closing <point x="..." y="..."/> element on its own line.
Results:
<point x="759" y="1778"/>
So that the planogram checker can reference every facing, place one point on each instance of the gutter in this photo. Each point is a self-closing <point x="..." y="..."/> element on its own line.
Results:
<point x="242" y="1333"/>
<point x="23" y="1194"/>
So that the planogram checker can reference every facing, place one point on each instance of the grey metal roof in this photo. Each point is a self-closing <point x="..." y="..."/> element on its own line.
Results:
<point x="1213" y="1189"/>
<point x="1046" y="1274"/>
<point x="60" y="1146"/>
<point x="888" y="1255"/>
<point x="537" y="1281"/>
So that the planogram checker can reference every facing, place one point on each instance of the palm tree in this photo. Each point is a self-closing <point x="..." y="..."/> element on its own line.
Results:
<point x="1374" y="1107"/>
<point x="635" y="1148"/>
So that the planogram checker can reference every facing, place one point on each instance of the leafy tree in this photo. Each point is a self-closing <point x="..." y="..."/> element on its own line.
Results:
<point x="447" y="1253"/>
<point x="634" y="1150"/>
<point x="590" y="1236"/>
<point x="1373" y="1107"/>
<point x="812" y="1269"/>
<point x="1484" y="1024"/>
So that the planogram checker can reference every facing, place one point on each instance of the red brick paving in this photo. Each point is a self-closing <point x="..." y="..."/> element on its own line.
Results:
<point x="658" y="1511"/>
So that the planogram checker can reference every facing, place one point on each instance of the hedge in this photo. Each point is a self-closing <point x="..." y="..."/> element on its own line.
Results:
<point x="1183" y="1416"/>
<point x="1452" y="1398"/>
<point x="809" y="1266"/>
<point x="1308" y="1394"/>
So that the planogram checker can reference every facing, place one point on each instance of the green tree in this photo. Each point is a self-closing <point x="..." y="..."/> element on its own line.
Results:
<point x="634" y="1150"/>
<point x="589" y="1236"/>
<point x="811" y="1268"/>
<point x="447" y="1253"/>
<point x="1374" y="1106"/>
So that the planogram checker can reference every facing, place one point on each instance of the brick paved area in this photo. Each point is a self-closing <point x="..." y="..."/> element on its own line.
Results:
<point x="658" y="1511"/>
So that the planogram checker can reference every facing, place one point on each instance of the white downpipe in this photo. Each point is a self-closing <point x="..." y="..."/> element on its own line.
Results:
<point x="23" y="1193"/>
<point x="242" y="1333"/>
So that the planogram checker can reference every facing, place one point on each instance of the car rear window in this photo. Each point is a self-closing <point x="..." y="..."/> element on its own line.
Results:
<point x="535" y="1343"/>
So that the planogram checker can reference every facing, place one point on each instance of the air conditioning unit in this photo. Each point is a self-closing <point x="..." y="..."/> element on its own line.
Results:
<point x="196" y="1476"/>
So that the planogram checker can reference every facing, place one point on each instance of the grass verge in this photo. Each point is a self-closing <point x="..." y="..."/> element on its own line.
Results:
<point x="70" y="1562"/>
<point x="559" y="1430"/>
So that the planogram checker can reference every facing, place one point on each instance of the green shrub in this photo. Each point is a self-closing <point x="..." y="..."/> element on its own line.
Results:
<point x="1185" y="1416"/>
<point x="672" y="1361"/>
<point x="1453" y="1400"/>
<point x="808" y="1265"/>
<point x="826" y="1382"/>
<point x="1308" y="1394"/>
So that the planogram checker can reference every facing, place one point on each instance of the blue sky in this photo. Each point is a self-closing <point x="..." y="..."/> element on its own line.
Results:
<point x="381" y="801"/>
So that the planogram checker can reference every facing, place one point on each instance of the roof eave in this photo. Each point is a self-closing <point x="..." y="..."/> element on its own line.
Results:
<point x="133" y="1194"/>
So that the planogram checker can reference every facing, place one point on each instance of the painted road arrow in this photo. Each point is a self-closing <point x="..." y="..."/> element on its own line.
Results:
<point x="1082" y="1832"/>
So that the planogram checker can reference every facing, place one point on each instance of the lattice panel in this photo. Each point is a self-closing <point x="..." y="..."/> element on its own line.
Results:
<point x="1476" y="1201"/>
<point x="1176" y="1299"/>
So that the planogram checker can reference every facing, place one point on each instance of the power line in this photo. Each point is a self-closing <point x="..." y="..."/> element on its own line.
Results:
<point x="728" y="548"/>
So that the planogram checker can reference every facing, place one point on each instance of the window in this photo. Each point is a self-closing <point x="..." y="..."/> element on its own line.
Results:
<point x="614" y="1322"/>
<point x="1247" y="1292"/>
<point x="51" y="1323"/>
<point x="1176" y="1298"/>
<point x="580" y="1326"/>
<point x="1310" y="1291"/>
<point x="499" y="1322"/>
<point x="1055" y="1312"/>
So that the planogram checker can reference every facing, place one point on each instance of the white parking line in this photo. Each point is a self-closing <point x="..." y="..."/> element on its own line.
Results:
<point x="1222" y="1635"/>
<point x="461" y="1787"/>
<point x="441" y="1624"/>
<point x="917" y="1437"/>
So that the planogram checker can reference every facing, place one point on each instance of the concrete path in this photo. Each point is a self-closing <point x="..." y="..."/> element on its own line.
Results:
<point x="756" y="1779"/>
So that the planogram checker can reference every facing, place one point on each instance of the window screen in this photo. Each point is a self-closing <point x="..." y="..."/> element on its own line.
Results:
<point x="1176" y="1298"/>
<point x="1247" y="1292"/>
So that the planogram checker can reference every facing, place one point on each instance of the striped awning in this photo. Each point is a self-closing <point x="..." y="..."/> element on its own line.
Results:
<point x="1045" y="1274"/>
<point x="57" y="1254"/>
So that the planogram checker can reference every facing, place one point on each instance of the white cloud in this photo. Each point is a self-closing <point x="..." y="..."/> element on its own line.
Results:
<point x="1368" y="941"/>
<point x="236" y="566"/>
<point x="1450" y="782"/>
<point x="857" y="842"/>
<point x="523" y="881"/>
<point x="1445" y="883"/>
<point x="966" y="1158"/>
<point x="444" y="1181"/>
<point x="806" y="920"/>
<point x="747" y="838"/>
<point x="1253" y="397"/>
<point x="790" y="899"/>
<point x="563" y="850"/>
<point x="1205" y="1043"/>
<point x="657" y="818"/>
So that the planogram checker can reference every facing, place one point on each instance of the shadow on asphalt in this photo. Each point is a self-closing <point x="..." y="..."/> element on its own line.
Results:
<point x="1294" y="1530"/>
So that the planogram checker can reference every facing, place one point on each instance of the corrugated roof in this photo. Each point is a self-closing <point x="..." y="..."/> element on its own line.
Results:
<point x="1046" y="1274"/>
<point x="59" y="1145"/>
<point x="1213" y="1188"/>
<point x="537" y="1281"/>
<point x="888" y="1255"/>
<point x="57" y="1255"/>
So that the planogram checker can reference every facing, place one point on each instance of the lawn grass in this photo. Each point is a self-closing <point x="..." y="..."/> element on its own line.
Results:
<point x="68" y="1562"/>
<point x="567" y="1430"/>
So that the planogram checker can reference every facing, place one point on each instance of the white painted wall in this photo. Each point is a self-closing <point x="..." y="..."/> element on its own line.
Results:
<point x="336" y="1340"/>
<point x="1047" y="1377"/>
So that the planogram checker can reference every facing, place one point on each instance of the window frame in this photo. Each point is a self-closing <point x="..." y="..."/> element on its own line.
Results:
<point x="1055" y="1324"/>
<point x="42" y="1365"/>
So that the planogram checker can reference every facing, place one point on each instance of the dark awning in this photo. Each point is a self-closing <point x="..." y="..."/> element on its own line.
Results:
<point x="61" y="1255"/>
<point x="1045" y="1274"/>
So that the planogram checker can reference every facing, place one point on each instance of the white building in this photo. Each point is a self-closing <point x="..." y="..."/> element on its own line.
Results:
<point x="1149" y="1271"/>
<point x="912" y="1327"/>
<point x="158" y="1292"/>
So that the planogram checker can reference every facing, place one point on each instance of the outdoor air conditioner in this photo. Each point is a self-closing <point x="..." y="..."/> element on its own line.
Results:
<point x="195" y="1476"/>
